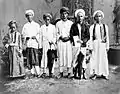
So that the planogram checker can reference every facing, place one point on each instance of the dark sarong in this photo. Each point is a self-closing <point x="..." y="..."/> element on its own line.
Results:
<point x="51" y="54"/>
<point x="78" y="68"/>
<point x="40" y="53"/>
<point x="32" y="57"/>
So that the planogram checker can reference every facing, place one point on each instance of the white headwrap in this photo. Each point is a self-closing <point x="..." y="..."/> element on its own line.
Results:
<point x="79" y="10"/>
<point x="98" y="11"/>
<point x="29" y="11"/>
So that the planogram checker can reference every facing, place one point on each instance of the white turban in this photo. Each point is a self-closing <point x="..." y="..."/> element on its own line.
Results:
<point x="98" y="11"/>
<point x="29" y="11"/>
<point x="79" y="10"/>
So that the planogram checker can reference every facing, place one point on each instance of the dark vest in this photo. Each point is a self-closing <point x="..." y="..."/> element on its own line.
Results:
<point x="84" y="33"/>
<point x="94" y="37"/>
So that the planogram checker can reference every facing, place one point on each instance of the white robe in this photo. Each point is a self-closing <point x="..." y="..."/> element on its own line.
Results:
<point x="64" y="48"/>
<point x="30" y="30"/>
<point x="48" y="35"/>
<point x="99" y="60"/>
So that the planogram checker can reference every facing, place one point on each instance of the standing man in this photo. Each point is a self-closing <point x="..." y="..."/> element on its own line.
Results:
<point x="30" y="35"/>
<point x="79" y="34"/>
<point x="99" y="38"/>
<point x="63" y="41"/>
<point x="48" y="33"/>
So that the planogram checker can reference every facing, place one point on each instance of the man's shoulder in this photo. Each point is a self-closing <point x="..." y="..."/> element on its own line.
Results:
<point x="25" y="24"/>
<point x="42" y="25"/>
<point x="92" y="25"/>
<point x="36" y="23"/>
<point x="74" y="24"/>
<point x="58" y="22"/>
<point x="70" y="21"/>
<point x="106" y="26"/>
<point x="52" y="25"/>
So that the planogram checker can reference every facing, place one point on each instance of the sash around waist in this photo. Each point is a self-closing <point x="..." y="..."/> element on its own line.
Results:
<point x="27" y="38"/>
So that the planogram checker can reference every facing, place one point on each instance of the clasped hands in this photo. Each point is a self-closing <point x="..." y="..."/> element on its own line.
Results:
<point x="79" y="41"/>
<point x="10" y="44"/>
<point x="33" y="37"/>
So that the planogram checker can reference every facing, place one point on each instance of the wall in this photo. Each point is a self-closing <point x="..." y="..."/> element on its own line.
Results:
<point x="15" y="9"/>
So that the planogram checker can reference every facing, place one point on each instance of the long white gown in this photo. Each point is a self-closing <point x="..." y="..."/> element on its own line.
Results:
<point x="99" y="60"/>
<point x="48" y="35"/>
<point x="64" y="48"/>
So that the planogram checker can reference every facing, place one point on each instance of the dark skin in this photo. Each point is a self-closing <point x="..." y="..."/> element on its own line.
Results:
<point x="80" y="18"/>
<point x="47" y="22"/>
<point x="98" y="19"/>
<point x="29" y="17"/>
<point x="13" y="27"/>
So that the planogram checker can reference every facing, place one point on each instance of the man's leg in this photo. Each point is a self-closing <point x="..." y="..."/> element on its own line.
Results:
<point x="69" y="69"/>
<point x="75" y="71"/>
<point x="40" y="52"/>
<point x="37" y="68"/>
<point x="61" y="72"/>
<point x="80" y="61"/>
<point x="84" y="73"/>
<point x="33" y="70"/>
<point x="29" y="63"/>
<point x="79" y="67"/>
<point x="36" y="61"/>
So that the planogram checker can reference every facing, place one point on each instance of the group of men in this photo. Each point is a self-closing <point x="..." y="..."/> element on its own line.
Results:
<point x="69" y="39"/>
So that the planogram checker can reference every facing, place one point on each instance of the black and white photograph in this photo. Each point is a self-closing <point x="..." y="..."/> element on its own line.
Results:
<point x="59" y="46"/>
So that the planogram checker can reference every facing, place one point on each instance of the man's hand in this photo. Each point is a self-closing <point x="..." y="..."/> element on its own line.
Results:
<point x="40" y="51"/>
<point x="6" y="46"/>
<point x="27" y="38"/>
<point x="33" y="37"/>
<point x="107" y="50"/>
<point x="12" y="44"/>
<point x="24" y="47"/>
<point x="51" y="43"/>
<point x="60" y="38"/>
<point x="91" y="50"/>
<point x="79" y="41"/>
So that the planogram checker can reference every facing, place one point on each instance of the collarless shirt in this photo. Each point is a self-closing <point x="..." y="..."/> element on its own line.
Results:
<point x="30" y="30"/>
<point x="63" y="28"/>
<point x="48" y="33"/>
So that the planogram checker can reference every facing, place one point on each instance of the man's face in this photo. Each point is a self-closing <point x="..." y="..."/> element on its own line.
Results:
<point x="13" y="27"/>
<point x="64" y="16"/>
<point x="80" y="17"/>
<point x="98" y="17"/>
<point x="29" y="17"/>
<point x="47" y="20"/>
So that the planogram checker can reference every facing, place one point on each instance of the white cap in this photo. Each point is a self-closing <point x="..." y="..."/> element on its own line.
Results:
<point x="79" y="10"/>
<point x="98" y="11"/>
<point x="29" y="11"/>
